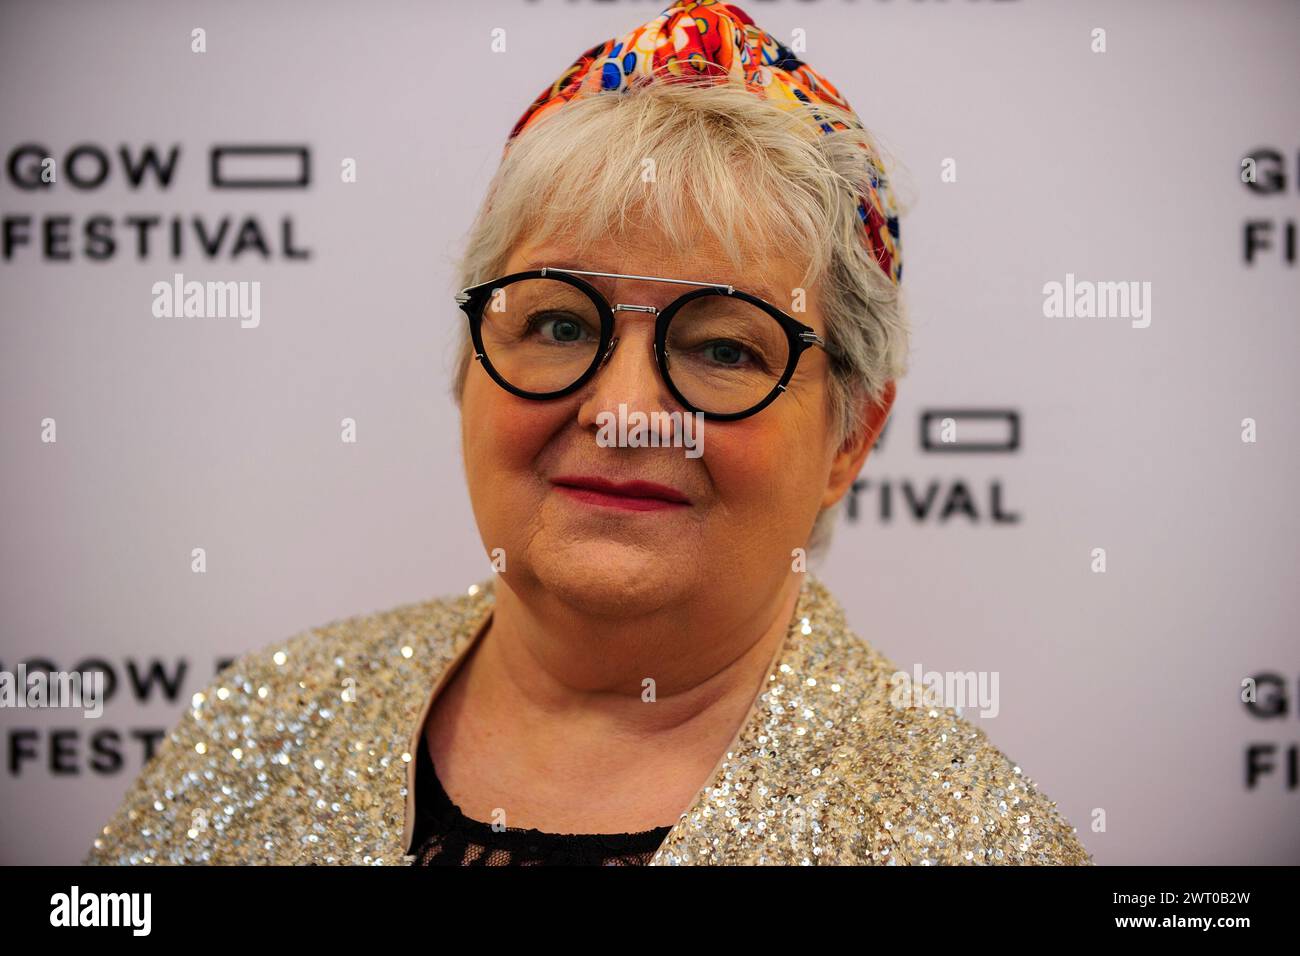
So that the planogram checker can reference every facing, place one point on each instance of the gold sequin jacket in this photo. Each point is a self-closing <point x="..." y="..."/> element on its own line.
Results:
<point x="303" y="752"/>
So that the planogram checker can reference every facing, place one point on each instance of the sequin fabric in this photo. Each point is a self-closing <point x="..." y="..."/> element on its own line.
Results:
<point x="303" y="753"/>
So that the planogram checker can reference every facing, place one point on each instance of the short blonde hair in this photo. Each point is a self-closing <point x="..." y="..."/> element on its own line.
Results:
<point x="735" y="165"/>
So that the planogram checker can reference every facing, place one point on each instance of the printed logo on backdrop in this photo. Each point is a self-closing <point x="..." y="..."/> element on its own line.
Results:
<point x="82" y="743"/>
<point x="1270" y="237"/>
<point x="943" y="500"/>
<point x="1270" y="764"/>
<point x="215" y="243"/>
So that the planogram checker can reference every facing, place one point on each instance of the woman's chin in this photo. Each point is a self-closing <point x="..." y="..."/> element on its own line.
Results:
<point x="619" y="578"/>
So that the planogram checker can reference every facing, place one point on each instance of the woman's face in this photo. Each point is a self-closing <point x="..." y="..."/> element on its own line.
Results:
<point x="753" y="494"/>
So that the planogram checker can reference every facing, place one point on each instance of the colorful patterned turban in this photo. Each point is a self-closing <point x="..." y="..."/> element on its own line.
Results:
<point x="712" y="41"/>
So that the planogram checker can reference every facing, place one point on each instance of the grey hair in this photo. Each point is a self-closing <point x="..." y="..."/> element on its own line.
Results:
<point x="724" y="161"/>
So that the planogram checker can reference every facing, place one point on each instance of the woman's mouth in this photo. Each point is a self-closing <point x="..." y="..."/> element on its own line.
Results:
<point x="625" y="495"/>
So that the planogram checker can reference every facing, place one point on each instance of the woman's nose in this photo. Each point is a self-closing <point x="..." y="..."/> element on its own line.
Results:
<point x="627" y="375"/>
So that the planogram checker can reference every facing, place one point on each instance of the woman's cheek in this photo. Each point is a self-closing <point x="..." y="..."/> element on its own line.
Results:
<point x="750" y="466"/>
<point x="520" y="431"/>
<point x="502" y="432"/>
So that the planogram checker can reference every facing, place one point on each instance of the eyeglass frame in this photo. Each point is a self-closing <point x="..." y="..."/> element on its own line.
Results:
<point x="800" y="337"/>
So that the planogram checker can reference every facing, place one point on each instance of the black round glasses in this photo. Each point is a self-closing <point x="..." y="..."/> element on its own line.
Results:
<point x="545" y="333"/>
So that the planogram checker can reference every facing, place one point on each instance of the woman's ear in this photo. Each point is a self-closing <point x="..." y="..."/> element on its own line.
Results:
<point x="853" y="453"/>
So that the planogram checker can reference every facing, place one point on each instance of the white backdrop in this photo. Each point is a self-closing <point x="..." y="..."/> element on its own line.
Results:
<point x="1119" y="691"/>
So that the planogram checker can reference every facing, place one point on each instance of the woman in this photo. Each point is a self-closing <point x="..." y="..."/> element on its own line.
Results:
<point x="651" y="676"/>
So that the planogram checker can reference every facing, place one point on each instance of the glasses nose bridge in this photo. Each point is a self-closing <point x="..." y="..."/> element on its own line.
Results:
<point x="625" y="307"/>
<point x="649" y="310"/>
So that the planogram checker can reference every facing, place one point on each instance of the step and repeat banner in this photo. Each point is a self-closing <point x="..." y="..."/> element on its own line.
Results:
<point x="1101" y="251"/>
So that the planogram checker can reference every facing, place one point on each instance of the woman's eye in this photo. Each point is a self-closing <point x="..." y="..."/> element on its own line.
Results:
<point x="725" y="352"/>
<point x="728" y="353"/>
<point x="557" y="328"/>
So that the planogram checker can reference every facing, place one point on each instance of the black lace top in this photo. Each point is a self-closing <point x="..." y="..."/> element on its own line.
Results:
<point x="446" y="837"/>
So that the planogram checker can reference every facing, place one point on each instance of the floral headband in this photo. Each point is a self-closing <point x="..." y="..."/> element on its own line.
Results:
<point x="709" y="38"/>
